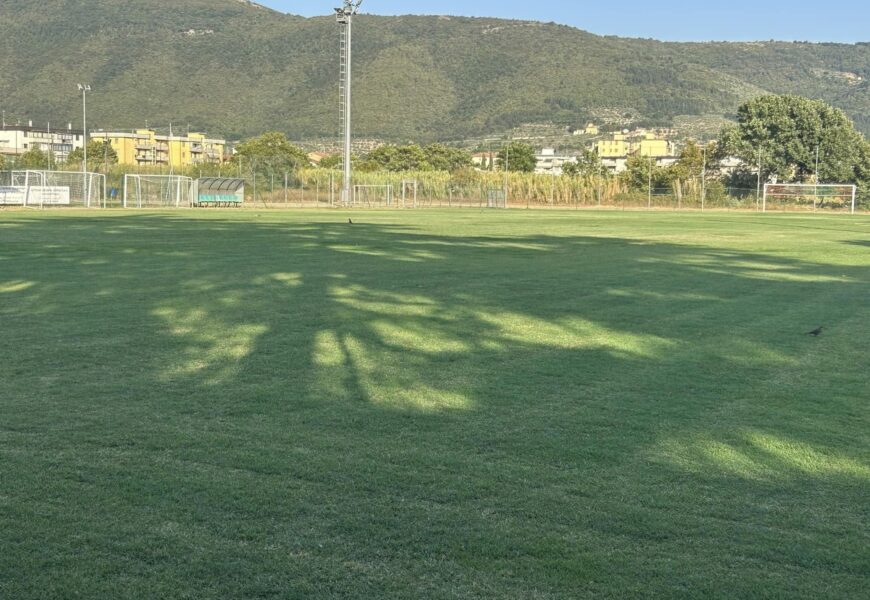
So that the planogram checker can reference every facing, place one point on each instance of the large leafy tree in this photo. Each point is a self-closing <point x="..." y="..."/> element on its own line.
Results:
<point x="271" y="153"/>
<point x="694" y="161"/>
<point x="400" y="158"/>
<point x="517" y="157"/>
<point x="333" y="161"/>
<point x="588" y="163"/>
<point x="787" y="131"/>
<point x="100" y="155"/>
<point x="33" y="159"/>
<point x="640" y="171"/>
<point x="445" y="158"/>
<point x="435" y="157"/>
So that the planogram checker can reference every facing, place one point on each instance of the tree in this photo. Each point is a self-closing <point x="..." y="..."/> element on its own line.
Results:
<point x="787" y="131"/>
<point x="444" y="158"/>
<point x="100" y="155"/>
<point x="638" y="170"/>
<point x="400" y="158"/>
<point x="333" y="161"/>
<point x="2" y="163"/>
<point x="695" y="160"/>
<point x="271" y="153"/>
<point x="588" y="164"/>
<point x="518" y="157"/>
<point x="33" y="159"/>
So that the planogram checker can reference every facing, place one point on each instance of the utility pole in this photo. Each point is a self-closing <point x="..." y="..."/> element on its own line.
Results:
<point x="344" y="16"/>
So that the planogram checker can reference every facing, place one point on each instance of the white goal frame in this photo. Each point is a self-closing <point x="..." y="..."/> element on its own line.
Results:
<point x="409" y="185"/>
<point x="181" y="187"/>
<point x="44" y="188"/>
<point x="388" y="189"/>
<point x="810" y="190"/>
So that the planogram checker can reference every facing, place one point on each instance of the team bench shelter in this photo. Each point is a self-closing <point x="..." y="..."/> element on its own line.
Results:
<point x="219" y="192"/>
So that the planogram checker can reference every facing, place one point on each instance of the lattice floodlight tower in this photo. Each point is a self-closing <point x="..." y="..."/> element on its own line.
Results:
<point x="344" y="16"/>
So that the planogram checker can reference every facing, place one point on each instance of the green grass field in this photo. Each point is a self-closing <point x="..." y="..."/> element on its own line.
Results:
<point x="434" y="405"/>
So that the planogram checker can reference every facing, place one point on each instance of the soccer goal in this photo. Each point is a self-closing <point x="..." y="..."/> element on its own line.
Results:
<point x="158" y="191"/>
<point x="409" y="193"/>
<point x="809" y="196"/>
<point x="372" y="196"/>
<point x="42" y="189"/>
<point x="496" y="198"/>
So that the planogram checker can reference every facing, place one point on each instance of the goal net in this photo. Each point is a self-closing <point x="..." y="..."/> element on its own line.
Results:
<point x="42" y="189"/>
<point x="409" y="193"/>
<point x="496" y="198"/>
<point x="809" y="197"/>
<point x="158" y="191"/>
<point x="373" y="196"/>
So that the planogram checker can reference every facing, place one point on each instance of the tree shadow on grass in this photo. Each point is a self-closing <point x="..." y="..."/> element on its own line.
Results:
<point x="391" y="411"/>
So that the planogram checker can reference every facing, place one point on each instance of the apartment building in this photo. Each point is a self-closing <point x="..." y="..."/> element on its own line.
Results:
<point x="15" y="140"/>
<point x="144" y="147"/>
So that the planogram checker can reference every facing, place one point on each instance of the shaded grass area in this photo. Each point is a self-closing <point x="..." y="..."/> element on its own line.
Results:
<point x="433" y="404"/>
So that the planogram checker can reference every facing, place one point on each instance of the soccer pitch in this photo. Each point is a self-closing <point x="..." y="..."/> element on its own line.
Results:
<point x="433" y="404"/>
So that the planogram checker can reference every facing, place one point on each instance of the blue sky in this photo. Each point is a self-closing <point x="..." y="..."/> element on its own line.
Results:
<point x="831" y="21"/>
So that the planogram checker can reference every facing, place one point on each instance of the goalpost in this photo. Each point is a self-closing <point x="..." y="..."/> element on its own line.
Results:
<point x="40" y="189"/>
<point x="409" y="193"/>
<point x="373" y="195"/>
<point x="158" y="191"/>
<point x="810" y="196"/>
<point x="496" y="198"/>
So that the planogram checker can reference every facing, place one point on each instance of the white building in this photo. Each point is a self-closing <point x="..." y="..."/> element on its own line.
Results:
<point x="15" y="140"/>
<point x="550" y="163"/>
<point x="619" y="164"/>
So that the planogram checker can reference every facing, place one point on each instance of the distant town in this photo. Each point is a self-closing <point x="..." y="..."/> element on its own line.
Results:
<point x="146" y="147"/>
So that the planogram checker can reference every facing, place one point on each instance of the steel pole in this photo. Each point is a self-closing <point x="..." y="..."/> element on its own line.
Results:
<point x="345" y="192"/>
<point x="85" y="128"/>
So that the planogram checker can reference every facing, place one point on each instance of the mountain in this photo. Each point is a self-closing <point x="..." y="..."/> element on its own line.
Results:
<point x="234" y="68"/>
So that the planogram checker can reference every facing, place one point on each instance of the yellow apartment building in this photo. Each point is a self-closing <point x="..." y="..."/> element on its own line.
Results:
<point x="144" y="148"/>
<point x="652" y="147"/>
<point x="620" y="147"/>
<point x="613" y="148"/>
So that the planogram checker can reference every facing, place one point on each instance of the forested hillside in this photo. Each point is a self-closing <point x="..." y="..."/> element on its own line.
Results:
<point x="233" y="68"/>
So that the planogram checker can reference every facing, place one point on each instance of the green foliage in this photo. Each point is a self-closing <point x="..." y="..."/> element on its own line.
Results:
<point x="333" y="161"/>
<point x="517" y="157"/>
<point x="33" y="159"/>
<point x="641" y="171"/>
<point x="2" y="163"/>
<point x="445" y="158"/>
<point x="787" y="130"/>
<point x="100" y="155"/>
<point x="588" y="164"/>
<point x="400" y="158"/>
<point x="435" y="157"/>
<point x="271" y="153"/>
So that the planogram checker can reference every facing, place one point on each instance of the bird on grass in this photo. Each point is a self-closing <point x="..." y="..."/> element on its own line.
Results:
<point x="816" y="332"/>
<point x="350" y="221"/>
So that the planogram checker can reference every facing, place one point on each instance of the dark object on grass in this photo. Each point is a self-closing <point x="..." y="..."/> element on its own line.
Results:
<point x="816" y="332"/>
<point x="350" y="222"/>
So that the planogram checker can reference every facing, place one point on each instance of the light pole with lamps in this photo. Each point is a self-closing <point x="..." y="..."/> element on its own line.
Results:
<point x="344" y="16"/>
